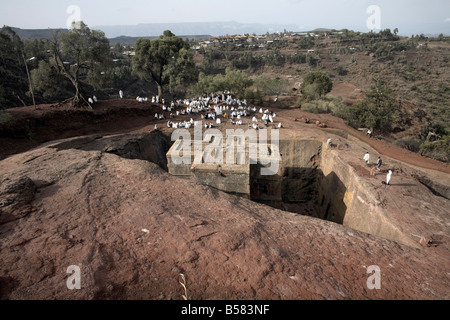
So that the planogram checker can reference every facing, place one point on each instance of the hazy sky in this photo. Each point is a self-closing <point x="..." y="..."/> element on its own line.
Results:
<point x="410" y="16"/>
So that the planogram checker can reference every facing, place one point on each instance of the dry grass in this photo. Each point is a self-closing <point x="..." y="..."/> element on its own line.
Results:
<point x="183" y="284"/>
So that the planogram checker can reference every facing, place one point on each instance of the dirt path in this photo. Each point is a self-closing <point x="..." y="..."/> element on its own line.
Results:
<point x="382" y="147"/>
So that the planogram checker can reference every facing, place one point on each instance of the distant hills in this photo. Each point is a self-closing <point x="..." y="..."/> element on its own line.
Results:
<point x="194" y="28"/>
<point x="30" y="34"/>
<point x="130" y="41"/>
<point x="128" y="34"/>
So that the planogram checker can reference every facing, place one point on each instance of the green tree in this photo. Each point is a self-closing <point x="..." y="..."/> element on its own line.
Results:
<point x="183" y="70"/>
<point x="275" y="57"/>
<point x="36" y="48"/>
<point x="236" y="81"/>
<point x="47" y="80"/>
<point x="81" y="55"/>
<point x="271" y="87"/>
<point x="379" y="109"/>
<point x="14" y="77"/>
<point x="316" y="84"/>
<point x="118" y="50"/>
<point x="306" y="42"/>
<point x="204" y="85"/>
<point x="165" y="60"/>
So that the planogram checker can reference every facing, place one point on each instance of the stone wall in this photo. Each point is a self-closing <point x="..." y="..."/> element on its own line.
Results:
<point x="309" y="173"/>
<point x="347" y="198"/>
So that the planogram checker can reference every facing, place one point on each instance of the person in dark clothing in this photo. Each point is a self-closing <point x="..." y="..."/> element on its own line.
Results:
<point x="379" y="163"/>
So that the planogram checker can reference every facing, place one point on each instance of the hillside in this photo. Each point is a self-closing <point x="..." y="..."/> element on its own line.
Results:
<point x="416" y="70"/>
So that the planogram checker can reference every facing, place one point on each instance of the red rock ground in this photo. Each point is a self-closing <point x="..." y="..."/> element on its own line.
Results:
<point x="133" y="229"/>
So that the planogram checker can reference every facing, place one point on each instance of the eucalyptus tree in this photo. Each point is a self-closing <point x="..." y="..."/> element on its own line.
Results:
<point x="82" y="56"/>
<point x="167" y="61"/>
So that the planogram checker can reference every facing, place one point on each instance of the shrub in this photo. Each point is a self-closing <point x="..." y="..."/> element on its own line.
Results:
<point x="409" y="143"/>
<point x="316" y="84"/>
<point x="341" y="70"/>
<point x="234" y="80"/>
<point x="271" y="87"/>
<point x="379" y="109"/>
<point x="324" y="105"/>
<point x="315" y="107"/>
<point x="252" y="97"/>
<point x="439" y="150"/>
<point x="5" y="117"/>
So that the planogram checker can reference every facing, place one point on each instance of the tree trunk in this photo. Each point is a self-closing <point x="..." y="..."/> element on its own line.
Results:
<point x="29" y="79"/>
<point x="76" y="101"/>
<point x="160" y="91"/>
<point x="79" y="100"/>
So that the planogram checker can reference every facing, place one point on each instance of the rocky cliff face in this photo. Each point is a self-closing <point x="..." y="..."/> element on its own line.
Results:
<point x="132" y="229"/>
